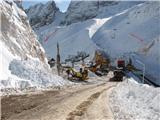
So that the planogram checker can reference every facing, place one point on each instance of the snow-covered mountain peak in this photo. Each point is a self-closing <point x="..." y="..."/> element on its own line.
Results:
<point x="42" y="14"/>
<point x="83" y="10"/>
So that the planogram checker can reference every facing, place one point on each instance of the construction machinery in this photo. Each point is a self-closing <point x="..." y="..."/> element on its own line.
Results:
<point x="121" y="68"/>
<point x="100" y="64"/>
<point x="74" y="75"/>
<point x="119" y="71"/>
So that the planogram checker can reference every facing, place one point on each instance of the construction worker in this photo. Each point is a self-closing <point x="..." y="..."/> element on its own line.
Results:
<point x="80" y="70"/>
<point x="68" y="73"/>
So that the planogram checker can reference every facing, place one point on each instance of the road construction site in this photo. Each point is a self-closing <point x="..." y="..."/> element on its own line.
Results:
<point x="86" y="101"/>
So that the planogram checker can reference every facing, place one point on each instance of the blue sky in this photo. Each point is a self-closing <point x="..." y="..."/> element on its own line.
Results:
<point x="61" y="4"/>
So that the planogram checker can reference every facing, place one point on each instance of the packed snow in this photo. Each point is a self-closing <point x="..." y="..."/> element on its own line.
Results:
<point x="133" y="101"/>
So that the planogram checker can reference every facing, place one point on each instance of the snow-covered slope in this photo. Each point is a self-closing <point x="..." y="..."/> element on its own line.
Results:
<point x="135" y="30"/>
<point x="122" y="29"/>
<point x="77" y="37"/>
<point x="73" y="38"/>
<point x="23" y="61"/>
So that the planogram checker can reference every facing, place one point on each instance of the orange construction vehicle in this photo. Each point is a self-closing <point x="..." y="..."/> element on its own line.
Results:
<point x="100" y="63"/>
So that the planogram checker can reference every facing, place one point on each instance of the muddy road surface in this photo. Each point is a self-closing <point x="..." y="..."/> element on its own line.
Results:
<point x="84" y="102"/>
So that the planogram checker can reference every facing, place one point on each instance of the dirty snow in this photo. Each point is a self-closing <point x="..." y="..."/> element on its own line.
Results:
<point x="133" y="101"/>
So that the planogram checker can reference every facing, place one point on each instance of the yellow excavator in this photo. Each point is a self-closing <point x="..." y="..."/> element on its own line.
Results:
<point x="74" y="75"/>
<point x="100" y="65"/>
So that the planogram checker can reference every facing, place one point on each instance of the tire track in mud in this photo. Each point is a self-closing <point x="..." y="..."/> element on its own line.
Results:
<point x="36" y="102"/>
<point x="82" y="108"/>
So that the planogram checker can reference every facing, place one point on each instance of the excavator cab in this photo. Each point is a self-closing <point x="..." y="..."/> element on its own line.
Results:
<point x="100" y="64"/>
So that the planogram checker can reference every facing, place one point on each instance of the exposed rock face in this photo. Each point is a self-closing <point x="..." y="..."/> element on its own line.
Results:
<point x="78" y="11"/>
<point x="19" y="3"/>
<point x="83" y="10"/>
<point x="16" y="33"/>
<point x="42" y="14"/>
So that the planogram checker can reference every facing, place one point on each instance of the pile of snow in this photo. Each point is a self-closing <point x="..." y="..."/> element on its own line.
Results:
<point x="19" y="74"/>
<point x="30" y="74"/>
<point x="133" y="101"/>
<point x="34" y="71"/>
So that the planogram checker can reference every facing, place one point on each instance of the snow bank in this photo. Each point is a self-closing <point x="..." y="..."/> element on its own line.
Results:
<point x="27" y="74"/>
<point x="133" y="101"/>
<point x="35" y="73"/>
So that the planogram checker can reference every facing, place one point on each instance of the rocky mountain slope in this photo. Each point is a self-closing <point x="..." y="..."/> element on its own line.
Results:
<point x="21" y="41"/>
<point x="42" y="14"/>
<point x="79" y="11"/>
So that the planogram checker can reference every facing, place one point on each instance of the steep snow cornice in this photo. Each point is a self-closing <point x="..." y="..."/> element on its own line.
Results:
<point x="42" y="14"/>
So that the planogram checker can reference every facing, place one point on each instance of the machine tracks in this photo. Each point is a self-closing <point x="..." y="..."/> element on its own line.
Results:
<point x="82" y="107"/>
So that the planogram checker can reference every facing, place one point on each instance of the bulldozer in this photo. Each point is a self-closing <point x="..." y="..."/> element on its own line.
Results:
<point x="119" y="71"/>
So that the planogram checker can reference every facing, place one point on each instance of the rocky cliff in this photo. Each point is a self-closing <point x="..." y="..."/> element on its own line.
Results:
<point x="42" y="14"/>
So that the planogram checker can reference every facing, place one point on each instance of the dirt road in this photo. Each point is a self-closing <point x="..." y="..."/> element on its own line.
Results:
<point x="86" y="102"/>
